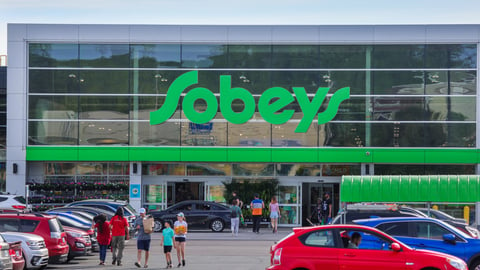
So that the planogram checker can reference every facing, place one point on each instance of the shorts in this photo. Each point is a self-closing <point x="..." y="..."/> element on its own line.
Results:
<point x="143" y="245"/>
<point x="274" y="215"/>
<point x="167" y="249"/>
<point x="180" y="239"/>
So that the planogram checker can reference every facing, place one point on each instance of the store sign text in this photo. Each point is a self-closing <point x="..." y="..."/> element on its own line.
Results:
<point x="271" y="104"/>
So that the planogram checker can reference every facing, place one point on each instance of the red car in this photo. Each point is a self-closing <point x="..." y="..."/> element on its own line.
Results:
<point x="353" y="247"/>
<point x="18" y="263"/>
<point x="45" y="226"/>
<point x="78" y="242"/>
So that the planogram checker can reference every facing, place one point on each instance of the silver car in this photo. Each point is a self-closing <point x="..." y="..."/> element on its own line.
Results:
<point x="34" y="250"/>
<point x="5" y="258"/>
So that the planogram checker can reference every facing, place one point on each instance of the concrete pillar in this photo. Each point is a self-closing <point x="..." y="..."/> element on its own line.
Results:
<point x="135" y="190"/>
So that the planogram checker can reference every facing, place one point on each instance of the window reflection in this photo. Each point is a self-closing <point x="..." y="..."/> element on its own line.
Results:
<point x="253" y="169"/>
<point x="209" y="134"/>
<point x="202" y="56"/>
<point x="167" y="133"/>
<point x="53" y="107"/>
<point x="103" y="133"/>
<point x="104" y="81"/>
<point x="249" y="134"/>
<point x="295" y="56"/>
<point x="53" y="55"/>
<point x="285" y="136"/>
<point x="111" y="107"/>
<point x="398" y="82"/>
<point x="343" y="56"/>
<point x="53" y="133"/>
<point x="398" y="56"/>
<point x="54" y="81"/>
<point x="104" y="55"/>
<point x="155" y="55"/>
<point x="163" y="169"/>
<point x="249" y="56"/>
<point x="298" y="169"/>
<point x="209" y="169"/>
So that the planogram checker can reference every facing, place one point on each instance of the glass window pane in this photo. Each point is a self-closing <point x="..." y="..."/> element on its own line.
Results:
<point x="249" y="56"/>
<point x="350" y="109"/>
<point x="104" y="107"/>
<point x="118" y="168"/>
<point x="249" y="134"/>
<point x="53" y="55"/>
<point x="288" y="215"/>
<point x="398" y="56"/>
<point x="398" y="82"/>
<point x="155" y="55"/>
<point x="343" y="56"/>
<point x="163" y="169"/>
<point x="295" y="56"/>
<point x="423" y="135"/>
<point x="53" y="107"/>
<point x="53" y="81"/>
<point x="217" y="193"/>
<point x="56" y="168"/>
<point x="285" y="135"/>
<point x="298" y="169"/>
<point x="256" y="82"/>
<point x="104" y="81"/>
<point x="398" y="108"/>
<point x="204" y="56"/>
<point x="153" y="81"/>
<point x="167" y="133"/>
<point x="90" y="168"/>
<point x="103" y="133"/>
<point x="105" y="55"/>
<point x="451" y="108"/>
<point x="53" y="133"/>
<point x="399" y="169"/>
<point x="461" y="82"/>
<point x="209" y="134"/>
<point x="287" y="195"/>
<point x="342" y="134"/>
<point x="340" y="169"/>
<point x="209" y="169"/>
<point x="153" y="193"/>
<point x="253" y="169"/>
<point x="451" y="56"/>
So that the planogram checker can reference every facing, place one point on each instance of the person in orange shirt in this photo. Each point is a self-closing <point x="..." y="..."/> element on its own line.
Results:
<point x="257" y="206"/>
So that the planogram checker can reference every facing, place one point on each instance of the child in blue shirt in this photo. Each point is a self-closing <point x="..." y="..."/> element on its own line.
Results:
<point x="167" y="242"/>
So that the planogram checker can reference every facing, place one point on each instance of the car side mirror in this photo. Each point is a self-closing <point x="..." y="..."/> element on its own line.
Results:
<point x="396" y="247"/>
<point x="449" y="238"/>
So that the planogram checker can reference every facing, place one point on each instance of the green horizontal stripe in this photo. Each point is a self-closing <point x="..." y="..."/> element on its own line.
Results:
<point x="260" y="154"/>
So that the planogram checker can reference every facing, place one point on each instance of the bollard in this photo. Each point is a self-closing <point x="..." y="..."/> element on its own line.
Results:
<point x="435" y="207"/>
<point x="466" y="214"/>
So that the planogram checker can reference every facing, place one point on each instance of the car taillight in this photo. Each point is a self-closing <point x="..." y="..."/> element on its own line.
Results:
<point x="14" y="253"/>
<point x="277" y="256"/>
<point x="90" y="232"/>
<point x="19" y="207"/>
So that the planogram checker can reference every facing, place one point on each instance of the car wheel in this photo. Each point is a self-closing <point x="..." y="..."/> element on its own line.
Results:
<point x="157" y="225"/>
<point x="25" y="259"/>
<point x="475" y="265"/>
<point x="217" y="225"/>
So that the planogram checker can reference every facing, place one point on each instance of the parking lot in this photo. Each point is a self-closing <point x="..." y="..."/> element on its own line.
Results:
<point x="205" y="250"/>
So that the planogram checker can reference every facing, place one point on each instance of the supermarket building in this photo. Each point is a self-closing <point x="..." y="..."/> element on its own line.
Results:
<point x="172" y="112"/>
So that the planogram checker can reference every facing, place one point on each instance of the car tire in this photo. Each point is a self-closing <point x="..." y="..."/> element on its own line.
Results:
<point x="25" y="259"/>
<point x="157" y="225"/>
<point x="217" y="225"/>
<point x="475" y="265"/>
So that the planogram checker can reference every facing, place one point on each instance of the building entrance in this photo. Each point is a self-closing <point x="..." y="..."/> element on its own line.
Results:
<point x="183" y="191"/>
<point x="312" y="192"/>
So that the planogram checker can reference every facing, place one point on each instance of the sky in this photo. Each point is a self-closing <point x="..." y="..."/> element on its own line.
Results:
<point x="240" y="12"/>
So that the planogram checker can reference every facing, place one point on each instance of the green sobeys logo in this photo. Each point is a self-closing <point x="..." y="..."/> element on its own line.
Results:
<point x="270" y="105"/>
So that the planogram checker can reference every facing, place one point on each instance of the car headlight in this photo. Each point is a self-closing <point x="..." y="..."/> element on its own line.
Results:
<point x="34" y="245"/>
<point x="457" y="264"/>
<point x="74" y="234"/>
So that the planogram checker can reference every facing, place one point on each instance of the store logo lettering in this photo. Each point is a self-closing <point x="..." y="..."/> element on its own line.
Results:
<point x="270" y="105"/>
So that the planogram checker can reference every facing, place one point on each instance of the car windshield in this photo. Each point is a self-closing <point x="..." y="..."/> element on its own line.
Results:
<point x="70" y="222"/>
<point x="443" y="215"/>
<point x="20" y="199"/>
<point x="130" y="208"/>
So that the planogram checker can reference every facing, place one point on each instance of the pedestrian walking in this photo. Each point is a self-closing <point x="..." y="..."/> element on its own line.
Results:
<point x="257" y="206"/>
<point x="180" y="228"/>
<point x="103" y="235"/>
<point x="168" y="238"/>
<point x="144" y="227"/>
<point x="274" y="213"/>
<point x="326" y="209"/>
<point x="236" y="198"/>
<point x="119" y="228"/>
<point x="235" y="215"/>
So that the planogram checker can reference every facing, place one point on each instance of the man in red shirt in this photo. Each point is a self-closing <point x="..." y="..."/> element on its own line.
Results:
<point x="119" y="227"/>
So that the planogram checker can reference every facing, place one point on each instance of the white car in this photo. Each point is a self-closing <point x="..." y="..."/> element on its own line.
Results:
<point x="13" y="202"/>
<point x="35" y="252"/>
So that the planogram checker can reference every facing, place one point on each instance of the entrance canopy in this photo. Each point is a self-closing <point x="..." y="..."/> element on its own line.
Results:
<point x="411" y="188"/>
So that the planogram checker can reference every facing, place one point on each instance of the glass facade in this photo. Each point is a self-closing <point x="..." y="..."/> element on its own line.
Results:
<point x="102" y="94"/>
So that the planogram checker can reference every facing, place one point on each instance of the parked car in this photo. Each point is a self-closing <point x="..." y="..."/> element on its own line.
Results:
<point x="5" y="258"/>
<point x="13" y="203"/>
<point x="458" y="223"/>
<point x="109" y="205"/>
<point x="431" y="234"/>
<point x="18" y="262"/>
<point x="35" y="251"/>
<point x="79" y="223"/>
<point x="78" y="242"/>
<point x="363" y="211"/>
<point x="324" y="247"/>
<point x="45" y="226"/>
<point x="199" y="214"/>
<point x="92" y="211"/>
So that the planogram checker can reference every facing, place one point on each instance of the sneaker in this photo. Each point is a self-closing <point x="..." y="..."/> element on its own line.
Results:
<point x="183" y="262"/>
<point x="179" y="265"/>
<point x="119" y="263"/>
<point x="114" y="261"/>
<point x="137" y="264"/>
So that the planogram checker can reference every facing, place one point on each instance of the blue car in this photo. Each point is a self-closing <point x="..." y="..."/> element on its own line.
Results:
<point x="430" y="234"/>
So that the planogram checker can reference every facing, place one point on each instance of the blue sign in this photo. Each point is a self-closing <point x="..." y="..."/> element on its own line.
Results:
<point x="200" y="128"/>
<point x="135" y="190"/>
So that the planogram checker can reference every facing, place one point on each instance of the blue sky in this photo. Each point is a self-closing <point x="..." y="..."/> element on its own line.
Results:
<point x="236" y="12"/>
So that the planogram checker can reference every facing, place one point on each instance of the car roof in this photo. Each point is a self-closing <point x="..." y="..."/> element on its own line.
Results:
<point x="101" y="201"/>
<point x="28" y="216"/>
<point x="335" y="226"/>
<point x="390" y="219"/>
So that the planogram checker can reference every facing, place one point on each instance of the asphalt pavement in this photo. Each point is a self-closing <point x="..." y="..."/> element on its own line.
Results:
<point x="204" y="250"/>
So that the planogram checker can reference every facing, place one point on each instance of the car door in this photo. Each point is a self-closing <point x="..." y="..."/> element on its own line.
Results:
<point x="319" y="251"/>
<point x="373" y="253"/>
<point x="429" y="235"/>
<point x="203" y="211"/>
<point x="187" y="208"/>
